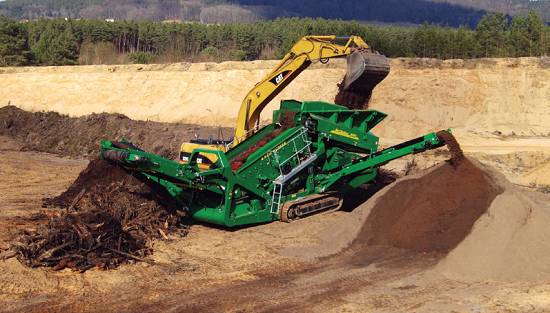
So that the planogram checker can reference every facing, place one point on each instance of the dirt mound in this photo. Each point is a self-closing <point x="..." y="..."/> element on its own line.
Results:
<point x="508" y="243"/>
<point x="111" y="217"/>
<point x="55" y="133"/>
<point x="433" y="212"/>
<point x="473" y="223"/>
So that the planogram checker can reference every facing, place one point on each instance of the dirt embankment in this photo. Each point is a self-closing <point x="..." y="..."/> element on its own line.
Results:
<point x="80" y="137"/>
<point x="505" y="96"/>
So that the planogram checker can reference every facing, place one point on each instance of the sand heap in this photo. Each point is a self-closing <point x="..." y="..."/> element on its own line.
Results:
<point x="110" y="217"/>
<point x="434" y="212"/>
<point x="482" y="226"/>
<point x="510" y="242"/>
<point x="477" y="224"/>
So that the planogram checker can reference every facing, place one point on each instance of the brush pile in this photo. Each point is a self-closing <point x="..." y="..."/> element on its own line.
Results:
<point x="111" y="217"/>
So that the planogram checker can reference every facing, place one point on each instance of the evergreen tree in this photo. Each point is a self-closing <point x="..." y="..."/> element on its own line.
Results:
<point x="465" y="44"/>
<point x="535" y="31"/>
<point x="421" y="40"/>
<point x="527" y="35"/>
<point x="519" y="36"/>
<point x="491" y="35"/>
<point x="14" y="47"/>
<point x="57" y="45"/>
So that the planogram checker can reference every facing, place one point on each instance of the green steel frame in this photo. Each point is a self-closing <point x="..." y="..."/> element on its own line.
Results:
<point x="326" y="148"/>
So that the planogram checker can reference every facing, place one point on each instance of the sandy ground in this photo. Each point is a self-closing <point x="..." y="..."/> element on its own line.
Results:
<point x="497" y="107"/>
<point x="216" y="270"/>
<point x="523" y="160"/>
<point x="24" y="184"/>
<point x="507" y="96"/>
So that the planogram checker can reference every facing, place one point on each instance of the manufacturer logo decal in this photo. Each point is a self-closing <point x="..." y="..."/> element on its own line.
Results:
<point x="279" y="78"/>
<point x="344" y="133"/>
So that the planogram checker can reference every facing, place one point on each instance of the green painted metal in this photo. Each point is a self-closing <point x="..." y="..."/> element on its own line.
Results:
<point x="324" y="148"/>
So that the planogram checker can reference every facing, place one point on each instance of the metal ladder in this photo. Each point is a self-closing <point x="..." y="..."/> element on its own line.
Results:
<point x="302" y="163"/>
<point x="305" y="149"/>
<point x="276" y="197"/>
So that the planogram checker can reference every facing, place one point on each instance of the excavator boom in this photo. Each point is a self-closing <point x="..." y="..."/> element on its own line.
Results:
<point x="365" y="71"/>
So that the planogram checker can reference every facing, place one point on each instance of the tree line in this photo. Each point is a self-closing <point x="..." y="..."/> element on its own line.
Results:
<point x="69" y="42"/>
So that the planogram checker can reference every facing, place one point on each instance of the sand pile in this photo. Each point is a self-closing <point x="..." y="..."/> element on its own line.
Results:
<point x="434" y="212"/>
<point x="477" y="224"/>
<point x="485" y="227"/>
<point x="110" y="218"/>
<point x="55" y="133"/>
<point x="510" y="242"/>
<point x="431" y="211"/>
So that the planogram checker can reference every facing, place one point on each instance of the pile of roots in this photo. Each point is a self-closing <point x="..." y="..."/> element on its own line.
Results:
<point x="110" y="217"/>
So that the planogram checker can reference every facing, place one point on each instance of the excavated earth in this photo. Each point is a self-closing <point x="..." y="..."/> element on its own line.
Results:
<point x="433" y="213"/>
<point x="455" y="237"/>
<point x="80" y="137"/>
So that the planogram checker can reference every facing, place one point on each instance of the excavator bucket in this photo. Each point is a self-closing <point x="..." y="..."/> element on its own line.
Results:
<point x="364" y="71"/>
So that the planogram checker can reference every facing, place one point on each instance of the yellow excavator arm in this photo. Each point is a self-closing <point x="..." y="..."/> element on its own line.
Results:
<point x="303" y="53"/>
<point x="366" y="69"/>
